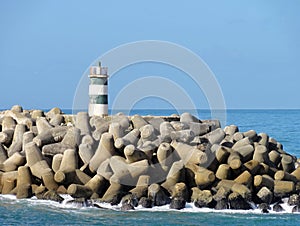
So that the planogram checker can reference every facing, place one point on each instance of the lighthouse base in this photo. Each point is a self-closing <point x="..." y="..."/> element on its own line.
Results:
<point x="98" y="110"/>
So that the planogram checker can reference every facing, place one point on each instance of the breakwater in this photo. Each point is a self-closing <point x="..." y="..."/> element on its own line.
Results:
<point x="149" y="160"/>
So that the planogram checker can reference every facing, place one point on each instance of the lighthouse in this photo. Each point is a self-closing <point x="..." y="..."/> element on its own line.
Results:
<point x="98" y="99"/>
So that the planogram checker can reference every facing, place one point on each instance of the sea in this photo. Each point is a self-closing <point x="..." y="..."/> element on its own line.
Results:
<point x="283" y="125"/>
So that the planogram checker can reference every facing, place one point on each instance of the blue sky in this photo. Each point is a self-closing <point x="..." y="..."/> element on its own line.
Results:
<point x="253" y="47"/>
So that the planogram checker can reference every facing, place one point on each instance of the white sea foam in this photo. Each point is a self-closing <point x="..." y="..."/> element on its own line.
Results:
<point x="13" y="197"/>
<point x="190" y="207"/>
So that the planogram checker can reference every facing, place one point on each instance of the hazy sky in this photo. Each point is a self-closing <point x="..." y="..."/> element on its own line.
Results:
<point x="252" y="47"/>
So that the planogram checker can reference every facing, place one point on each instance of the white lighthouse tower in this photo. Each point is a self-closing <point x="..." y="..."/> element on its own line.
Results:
<point x="98" y="104"/>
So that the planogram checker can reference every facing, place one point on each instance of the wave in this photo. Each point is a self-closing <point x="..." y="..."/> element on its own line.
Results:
<point x="67" y="204"/>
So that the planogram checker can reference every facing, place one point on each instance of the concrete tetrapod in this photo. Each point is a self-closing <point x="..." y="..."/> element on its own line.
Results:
<point x="133" y="155"/>
<point x="82" y="123"/>
<point x="164" y="156"/>
<point x="24" y="183"/>
<point x="147" y="133"/>
<point x="6" y="137"/>
<point x="189" y="154"/>
<point x="68" y="165"/>
<point x="175" y="175"/>
<point x="141" y="189"/>
<point x="203" y="177"/>
<point x="116" y="130"/>
<point x="20" y="118"/>
<point x="136" y="156"/>
<point x="138" y="121"/>
<point x="57" y="120"/>
<point x="42" y="125"/>
<point x="97" y="184"/>
<point x="3" y="153"/>
<point x="188" y="117"/>
<point x="53" y="135"/>
<point x="104" y="151"/>
<point x="158" y="195"/>
<point x="17" y="141"/>
<point x="70" y="140"/>
<point x="166" y="129"/>
<point x="13" y="162"/>
<point x="130" y="138"/>
<point x="230" y="130"/>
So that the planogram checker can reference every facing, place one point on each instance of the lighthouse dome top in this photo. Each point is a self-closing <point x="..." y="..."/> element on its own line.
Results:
<point x="98" y="71"/>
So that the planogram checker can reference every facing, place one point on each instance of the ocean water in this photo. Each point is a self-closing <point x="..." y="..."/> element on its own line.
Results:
<point x="283" y="125"/>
